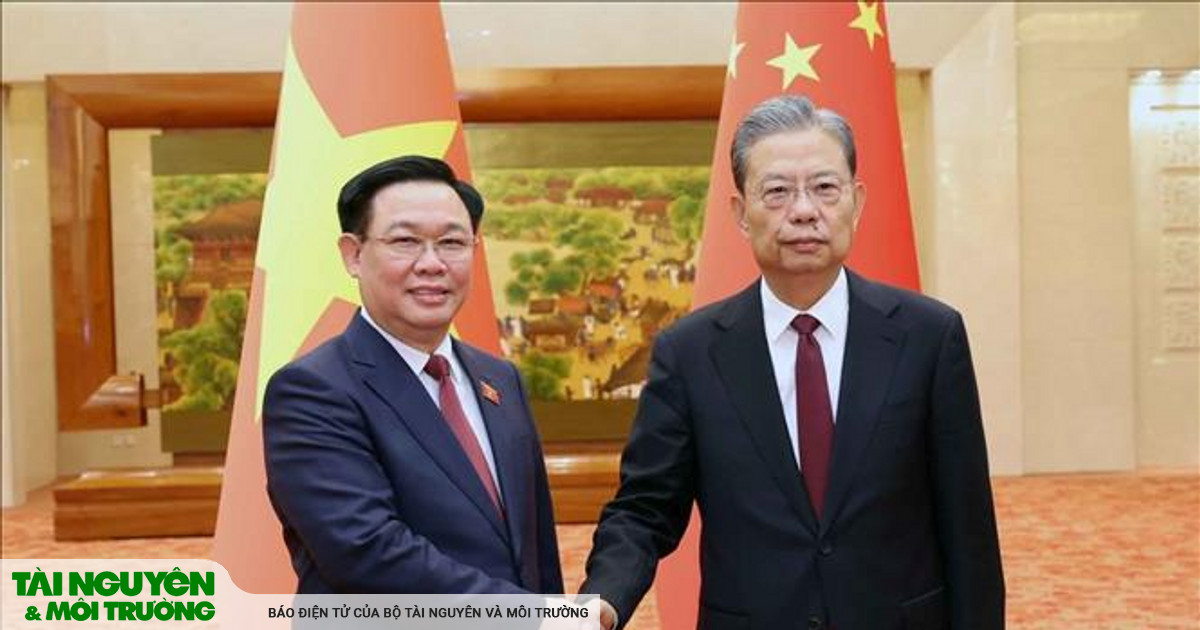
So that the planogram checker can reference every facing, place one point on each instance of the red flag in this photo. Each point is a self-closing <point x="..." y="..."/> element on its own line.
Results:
<point x="361" y="83"/>
<point x="836" y="54"/>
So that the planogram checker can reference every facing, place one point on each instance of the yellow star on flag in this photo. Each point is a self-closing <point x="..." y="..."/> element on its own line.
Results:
<point x="795" y="61"/>
<point x="735" y="50"/>
<point x="868" y="22"/>
<point x="297" y="247"/>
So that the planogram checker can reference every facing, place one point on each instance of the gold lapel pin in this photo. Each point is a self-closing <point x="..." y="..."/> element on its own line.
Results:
<point x="489" y="392"/>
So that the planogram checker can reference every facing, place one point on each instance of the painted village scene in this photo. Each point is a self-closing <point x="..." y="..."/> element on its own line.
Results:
<point x="206" y="230"/>
<point x="586" y="266"/>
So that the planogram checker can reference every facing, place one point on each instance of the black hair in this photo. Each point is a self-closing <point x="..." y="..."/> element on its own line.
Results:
<point x="354" y="201"/>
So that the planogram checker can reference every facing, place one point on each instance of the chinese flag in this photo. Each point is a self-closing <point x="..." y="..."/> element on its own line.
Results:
<point x="361" y="83"/>
<point x="836" y="54"/>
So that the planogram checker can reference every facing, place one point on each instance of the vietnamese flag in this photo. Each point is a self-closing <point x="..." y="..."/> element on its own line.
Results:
<point x="837" y="55"/>
<point x="361" y="83"/>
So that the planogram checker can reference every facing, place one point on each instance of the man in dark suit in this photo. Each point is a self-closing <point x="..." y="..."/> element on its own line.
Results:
<point x="399" y="459"/>
<point x="828" y="427"/>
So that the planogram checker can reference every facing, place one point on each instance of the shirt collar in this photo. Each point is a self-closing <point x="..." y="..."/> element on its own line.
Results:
<point x="832" y="310"/>
<point x="415" y="357"/>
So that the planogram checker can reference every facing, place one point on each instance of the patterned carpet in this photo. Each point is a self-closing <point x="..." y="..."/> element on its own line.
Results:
<point x="1081" y="552"/>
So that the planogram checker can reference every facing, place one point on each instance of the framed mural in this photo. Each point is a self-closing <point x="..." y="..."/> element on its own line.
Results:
<point x="208" y="194"/>
<point x="588" y="261"/>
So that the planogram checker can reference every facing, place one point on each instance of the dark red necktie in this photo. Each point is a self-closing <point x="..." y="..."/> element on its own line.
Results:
<point x="813" y="413"/>
<point x="439" y="368"/>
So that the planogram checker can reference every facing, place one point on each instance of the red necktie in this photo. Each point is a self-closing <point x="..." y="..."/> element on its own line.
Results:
<point x="439" y="368"/>
<point x="813" y="415"/>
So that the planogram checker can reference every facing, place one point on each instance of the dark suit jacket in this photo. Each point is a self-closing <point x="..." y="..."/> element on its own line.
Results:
<point x="376" y="496"/>
<point x="908" y="538"/>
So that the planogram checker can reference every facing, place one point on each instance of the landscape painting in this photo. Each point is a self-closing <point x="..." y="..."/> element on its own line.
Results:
<point x="206" y="231"/>
<point x="586" y="265"/>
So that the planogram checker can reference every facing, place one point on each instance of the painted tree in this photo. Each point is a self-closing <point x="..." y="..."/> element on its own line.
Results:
<point x="206" y="355"/>
<point x="539" y="272"/>
<point x="544" y="374"/>
<point x="596" y="245"/>
<point x="690" y="181"/>
<point x="687" y="220"/>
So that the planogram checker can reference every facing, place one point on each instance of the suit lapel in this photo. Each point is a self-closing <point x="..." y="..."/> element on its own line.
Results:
<point x="506" y="449"/>
<point x="390" y="378"/>
<point x="744" y="363"/>
<point x="872" y="347"/>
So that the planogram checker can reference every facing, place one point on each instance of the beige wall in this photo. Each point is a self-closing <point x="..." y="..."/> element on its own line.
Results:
<point x="11" y="493"/>
<point x="975" y="229"/>
<point x="88" y="37"/>
<point x="1074" y="64"/>
<point x="29" y="347"/>
<point x="1165" y="122"/>
<point x="916" y="129"/>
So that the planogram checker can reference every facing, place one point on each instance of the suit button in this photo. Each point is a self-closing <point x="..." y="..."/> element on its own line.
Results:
<point x="815" y="623"/>
<point x="826" y="548"/>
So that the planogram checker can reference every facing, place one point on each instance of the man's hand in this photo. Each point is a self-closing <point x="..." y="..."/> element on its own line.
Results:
<point x="602" y="613"/>
<point x="590" y="622"/>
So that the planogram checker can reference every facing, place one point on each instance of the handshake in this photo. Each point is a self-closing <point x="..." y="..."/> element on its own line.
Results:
<point x="594" y="614"/>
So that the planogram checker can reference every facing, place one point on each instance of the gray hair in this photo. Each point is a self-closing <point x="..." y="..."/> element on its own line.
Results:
<point x="782" y="114"/>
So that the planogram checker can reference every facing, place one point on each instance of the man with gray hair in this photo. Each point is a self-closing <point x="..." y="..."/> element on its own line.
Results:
<point x="827" y="426"/>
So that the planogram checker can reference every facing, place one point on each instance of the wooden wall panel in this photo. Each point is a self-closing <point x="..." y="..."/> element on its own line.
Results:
<point x="576" y="94"/>
<point x="81" y="260"/>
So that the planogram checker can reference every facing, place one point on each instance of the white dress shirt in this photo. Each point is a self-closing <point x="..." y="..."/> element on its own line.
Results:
<point x="416" y="360"/>
<point x="833" y="311"/>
